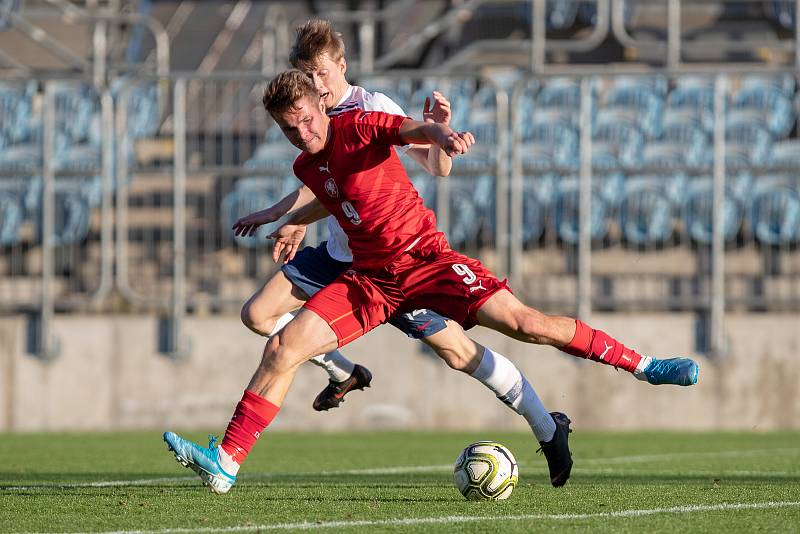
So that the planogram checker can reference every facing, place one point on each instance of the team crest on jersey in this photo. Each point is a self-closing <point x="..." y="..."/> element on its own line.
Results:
<point x="331" y="189"/>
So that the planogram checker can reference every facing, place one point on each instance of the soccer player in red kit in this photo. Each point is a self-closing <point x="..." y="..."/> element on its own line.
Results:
<point x="401" y="262"/>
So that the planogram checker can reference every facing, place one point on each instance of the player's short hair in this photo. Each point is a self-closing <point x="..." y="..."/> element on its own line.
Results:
<point x="314" y="38"/>
<point x="285" y="89"/>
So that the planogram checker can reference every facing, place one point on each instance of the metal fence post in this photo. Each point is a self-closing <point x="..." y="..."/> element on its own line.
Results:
<point x="717" y="345"/>
<point x="584" y="292"/>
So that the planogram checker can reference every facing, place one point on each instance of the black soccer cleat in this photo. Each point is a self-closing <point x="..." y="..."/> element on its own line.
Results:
<point x="333" y="394"/>
<point x="559" y="457"/>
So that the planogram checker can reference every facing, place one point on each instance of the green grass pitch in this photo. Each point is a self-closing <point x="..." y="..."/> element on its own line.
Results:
<point x="402" y="482"/>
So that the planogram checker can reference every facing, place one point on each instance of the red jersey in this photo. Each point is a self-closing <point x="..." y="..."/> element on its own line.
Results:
<point x="360" y="180"/>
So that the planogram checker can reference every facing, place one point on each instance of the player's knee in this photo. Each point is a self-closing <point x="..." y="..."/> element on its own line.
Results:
<point x="453" y="358"/>
<point x="278" y="358"/>
<point x="255" y="321"/>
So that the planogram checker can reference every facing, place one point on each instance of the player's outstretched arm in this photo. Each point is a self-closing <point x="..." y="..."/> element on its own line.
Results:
<point x="297" y="199"/>
<point x="310" y="212"/>
<point x="431" y="157"/>
<point x="453" y="143"/>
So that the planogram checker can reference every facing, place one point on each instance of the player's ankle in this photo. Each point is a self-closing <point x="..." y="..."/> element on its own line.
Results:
<point x="226" y="461"/>
<point x="639" y="371"/>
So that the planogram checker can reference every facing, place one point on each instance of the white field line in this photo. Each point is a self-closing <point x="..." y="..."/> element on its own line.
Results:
<point x="399" y="470"/>
<point x="443" y="520"/>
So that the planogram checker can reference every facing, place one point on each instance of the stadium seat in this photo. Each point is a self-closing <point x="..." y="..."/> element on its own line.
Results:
<point x="646" y="213"/>
<point x="12" y="214"/>
<point x="250" y="194"/>
<point x="616" y="141"/>
<point x="767" y="104"/>
<point x="72" y="213"/>
<point x="549" y="146"/>
<point x="534" y="215"/>
<point x="693" y="99"/>
<point x="775" y="211"/>
<point x="748" y="138"/>
<point x="698" y="209"/>
<point x="785" y="83"/>
<point x="472" y="201"/>
<point x="275" y="155"/>
<point x="566" y="213"/>
<point x="785" y="153"/>
<point x="639" y="100"/>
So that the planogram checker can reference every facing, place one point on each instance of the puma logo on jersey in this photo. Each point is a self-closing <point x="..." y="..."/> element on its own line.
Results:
<point x="479" y="286"/>
<point x="326" y="168"/>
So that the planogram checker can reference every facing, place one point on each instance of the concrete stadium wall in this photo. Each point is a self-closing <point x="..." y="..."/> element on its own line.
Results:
<point x="110" y="376"/>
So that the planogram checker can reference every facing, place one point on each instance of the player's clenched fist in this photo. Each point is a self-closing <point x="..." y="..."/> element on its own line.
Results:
<point x="457" y="143"/>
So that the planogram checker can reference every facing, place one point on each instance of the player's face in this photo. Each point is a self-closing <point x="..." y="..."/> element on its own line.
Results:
<point x="328" y="76"/>
<point x="305" y="125"/>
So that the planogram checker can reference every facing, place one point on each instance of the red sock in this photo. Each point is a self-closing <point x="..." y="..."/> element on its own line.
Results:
<point x="599" y="346"/>
<point x="251" y="417"/>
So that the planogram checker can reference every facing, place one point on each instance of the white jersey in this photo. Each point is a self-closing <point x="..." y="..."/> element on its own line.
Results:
<point x="357" y="98"/>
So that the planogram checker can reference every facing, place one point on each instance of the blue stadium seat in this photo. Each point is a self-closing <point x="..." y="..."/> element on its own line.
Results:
<point x="646" y="213"/>
<point x="681" y="143"/>
<point x="775" y="211"/>
<point x="534" y="214"/>
<point x="566" y="213"/>
<point x="72" y="211"/>
<point x="639" y="100"/>
<point x="748" y="138"/>
<point x="698" y="209"/>
<point x="693" y="99"/>
<point x="785" y="83"/>
<point x="785" y="153"/>
<point x="549" y="146"/>
<point x="767" y="104"/>
<point x="275" y="155"/>
<point x="12" y="214"/>
<point x="616" y="141"/>
<point x="250" y="194"/>
<point x="472" y="201"/>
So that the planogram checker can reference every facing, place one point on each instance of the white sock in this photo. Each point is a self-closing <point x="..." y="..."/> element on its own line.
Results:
<point x="227" y="462"/>
<point x="497" y="373"/>
<point x="639" y="371"/>
<point x="338" y="367"/>
<point x="282" y="321"/>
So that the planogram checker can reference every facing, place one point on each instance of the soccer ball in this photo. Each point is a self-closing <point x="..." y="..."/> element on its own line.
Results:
<point x="486" y="471"/>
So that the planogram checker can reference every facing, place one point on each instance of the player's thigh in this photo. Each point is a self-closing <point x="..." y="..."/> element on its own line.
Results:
<point x="505" y="313"/>
<point x="276" y="297"/>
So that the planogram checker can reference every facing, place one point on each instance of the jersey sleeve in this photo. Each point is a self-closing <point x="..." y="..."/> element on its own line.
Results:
<point x="378" y="127"/>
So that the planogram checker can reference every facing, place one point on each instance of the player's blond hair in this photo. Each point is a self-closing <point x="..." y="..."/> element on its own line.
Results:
<point x="314" y="38"/>
<point x="285" y="89"/>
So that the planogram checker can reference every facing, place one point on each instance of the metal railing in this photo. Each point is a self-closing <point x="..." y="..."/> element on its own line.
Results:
<point x="216" y="156"/>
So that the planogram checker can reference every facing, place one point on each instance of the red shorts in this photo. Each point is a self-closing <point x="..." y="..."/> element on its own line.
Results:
<point x="430" y="275"/>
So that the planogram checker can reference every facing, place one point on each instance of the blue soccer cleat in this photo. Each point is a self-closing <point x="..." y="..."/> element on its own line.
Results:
<point x="203" y="461"/>
<point x="677" y="371"/>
